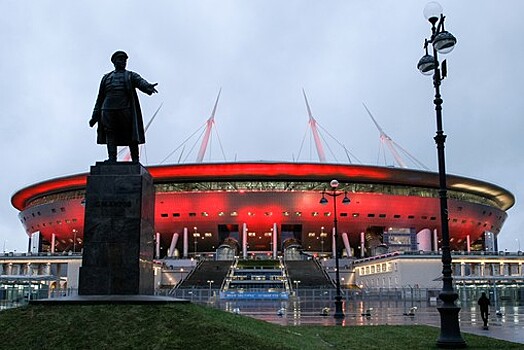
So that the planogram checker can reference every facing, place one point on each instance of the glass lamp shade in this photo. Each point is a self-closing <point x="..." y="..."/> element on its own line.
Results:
<point x="432" y="11"/>
<point x="426" y="65"/>
<point x="444" y="42"/>
<point x="333" y="183"/>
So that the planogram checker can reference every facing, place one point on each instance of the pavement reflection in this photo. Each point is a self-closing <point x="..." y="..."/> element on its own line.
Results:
<point x="506" y="323"/>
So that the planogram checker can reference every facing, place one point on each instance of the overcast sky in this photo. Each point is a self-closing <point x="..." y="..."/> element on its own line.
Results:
<point x="262" y="54"/>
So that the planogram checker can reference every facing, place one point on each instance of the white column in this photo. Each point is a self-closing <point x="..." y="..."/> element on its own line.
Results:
<point x="435" y="240"/>
<point x="468" y="243"/>
<point x="244" y="241"/>
<point x="185" y="242"/>
<point x="172" y="247"/>
<point x="333" y="244"/>
<point x="275" y="233"/>
<point x="345" y="239"/>
<point x="424" y="238"/>
<point x="362" y="243"/>
<point x="157" y="245"/>
<point x="53" y="242"/>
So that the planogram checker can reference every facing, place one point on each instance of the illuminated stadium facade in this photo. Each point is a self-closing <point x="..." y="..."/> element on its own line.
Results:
<point x="259" y="206"/>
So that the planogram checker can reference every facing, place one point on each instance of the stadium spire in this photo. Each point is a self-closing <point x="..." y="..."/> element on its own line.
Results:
<point x="393" y="146"/>
<point x="314" y="131"/>
<point x="207" y="134"/>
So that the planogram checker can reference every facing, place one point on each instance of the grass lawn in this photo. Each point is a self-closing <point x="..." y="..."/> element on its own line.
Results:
<point x="189" y="326"/>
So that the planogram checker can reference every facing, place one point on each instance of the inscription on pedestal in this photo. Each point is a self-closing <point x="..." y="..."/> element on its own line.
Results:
<point x="118" y="232"/>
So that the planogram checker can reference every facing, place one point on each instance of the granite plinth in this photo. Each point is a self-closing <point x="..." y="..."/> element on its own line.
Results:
<point x="119" y="227"/>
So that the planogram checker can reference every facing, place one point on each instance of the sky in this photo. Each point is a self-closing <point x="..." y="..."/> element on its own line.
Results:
<point x="262" y="54"/>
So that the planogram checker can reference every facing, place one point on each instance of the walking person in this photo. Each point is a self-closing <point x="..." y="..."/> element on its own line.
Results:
<point x="484" y="304"/>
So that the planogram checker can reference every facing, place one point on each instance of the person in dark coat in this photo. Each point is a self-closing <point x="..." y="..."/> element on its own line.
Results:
<point x="484" y="304"/>
<point x="117" y="109"/>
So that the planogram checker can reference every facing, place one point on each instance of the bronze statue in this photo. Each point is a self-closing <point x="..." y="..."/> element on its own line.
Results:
<point x="117" y="109"/>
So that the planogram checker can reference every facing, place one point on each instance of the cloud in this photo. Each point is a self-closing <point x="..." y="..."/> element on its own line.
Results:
<point x="261" y="54"/>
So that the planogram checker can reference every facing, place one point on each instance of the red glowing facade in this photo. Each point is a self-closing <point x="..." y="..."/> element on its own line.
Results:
<point x="215" y="201"/>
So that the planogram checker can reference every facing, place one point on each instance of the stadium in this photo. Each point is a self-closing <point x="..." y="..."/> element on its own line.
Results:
<point x="270" y="207"/>
<point x="266" y="207"/>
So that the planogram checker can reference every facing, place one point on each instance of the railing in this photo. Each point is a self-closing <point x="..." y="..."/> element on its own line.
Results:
<point x="40" y="254"/>
<point x="432" y="253"/>
<point x="324" y="272"/>
<point x="179" y="283"/>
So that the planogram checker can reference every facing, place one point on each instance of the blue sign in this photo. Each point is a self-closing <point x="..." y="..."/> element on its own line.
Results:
<point x="254" y="295"/>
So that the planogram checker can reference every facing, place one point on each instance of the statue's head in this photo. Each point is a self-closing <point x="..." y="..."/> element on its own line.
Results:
<point x="119" y="59"/>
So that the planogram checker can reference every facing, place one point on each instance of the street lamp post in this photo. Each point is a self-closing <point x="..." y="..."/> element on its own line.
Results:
<point x="442" y="42"/>
<point x="210" y="282"/>
<point x="339" y="312"/>
<point x="296" y="286"/>
<point x="322" y="234"/>
<point x="181" y="272"/>
<point x="74" y="240"/>
<point x="196" y="235"/>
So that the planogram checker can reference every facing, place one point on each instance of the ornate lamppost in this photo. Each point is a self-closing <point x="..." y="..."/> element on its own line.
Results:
<point x="442" y="42"/>
<point x="339" y="312"/>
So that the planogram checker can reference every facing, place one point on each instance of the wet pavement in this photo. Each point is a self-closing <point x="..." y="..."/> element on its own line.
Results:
<point x="506" y="323"/>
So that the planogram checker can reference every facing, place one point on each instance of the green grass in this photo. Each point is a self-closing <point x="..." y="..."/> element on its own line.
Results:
<point x="189" y="326"/>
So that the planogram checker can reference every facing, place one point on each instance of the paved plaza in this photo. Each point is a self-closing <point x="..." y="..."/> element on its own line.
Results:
<point x="507" y="324"/>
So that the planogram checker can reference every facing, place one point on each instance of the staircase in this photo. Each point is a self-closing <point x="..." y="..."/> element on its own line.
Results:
<point x="208" y="270"/>
<point x="308" y="273"/>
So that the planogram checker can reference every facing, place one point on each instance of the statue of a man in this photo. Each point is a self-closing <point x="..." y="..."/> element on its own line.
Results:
<point x="117" y="109"/>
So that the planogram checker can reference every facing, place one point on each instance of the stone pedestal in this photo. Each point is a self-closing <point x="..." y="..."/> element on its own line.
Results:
<point x="118" y="232"/>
